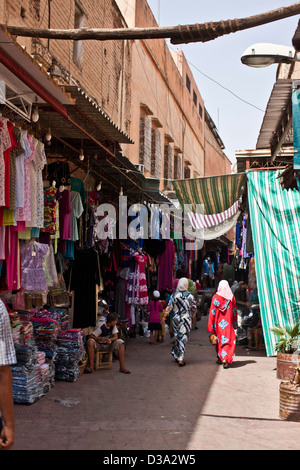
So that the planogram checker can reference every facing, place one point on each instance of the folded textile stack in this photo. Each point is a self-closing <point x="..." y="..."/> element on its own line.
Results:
<point x="69" y="353"/>
<point x="27" y="337"/>
<point x="16" y="326"/>
<point x="43" y="371"/>
<point x="27" y="385"/>
<point x="64" y="316"/>
<point x="45" y="333"/>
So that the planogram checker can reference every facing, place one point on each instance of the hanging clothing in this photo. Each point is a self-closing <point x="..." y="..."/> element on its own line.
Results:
<point x="84" y="278"/>
<point x="76" y="212"/>
<point x="65" y="215"/>
<point x="24" y="213"/>
<point x="33" y="275"/>
<point x="166" y="263"/>
<point x="222" y="321"/>
<point x="5" y="144"/>
<point x="14" y="154"/>
<point x="78" y="185"/>
<point x="51" y="198"/>
<point x="141" y="293"/>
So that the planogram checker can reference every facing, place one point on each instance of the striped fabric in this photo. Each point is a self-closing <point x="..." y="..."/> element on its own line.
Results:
<point x="275" y="223"/>
<point x="199" y="221"/>
<point x="216" y="193"/>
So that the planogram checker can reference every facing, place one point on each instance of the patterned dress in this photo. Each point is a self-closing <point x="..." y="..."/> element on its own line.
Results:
<point x="222" y="321"/>
<point x="141" y="293"/>
<point x="184" y="306"/>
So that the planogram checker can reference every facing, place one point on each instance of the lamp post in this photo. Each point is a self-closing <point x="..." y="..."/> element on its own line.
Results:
<point x="265" y="54"/>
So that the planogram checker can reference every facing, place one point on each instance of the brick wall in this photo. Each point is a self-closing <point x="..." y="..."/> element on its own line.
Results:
<point x="104" y="70"/>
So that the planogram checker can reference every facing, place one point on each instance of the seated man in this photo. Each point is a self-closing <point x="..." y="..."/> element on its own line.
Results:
<point x="105" y="338"/>
<point x="255" y="332"/>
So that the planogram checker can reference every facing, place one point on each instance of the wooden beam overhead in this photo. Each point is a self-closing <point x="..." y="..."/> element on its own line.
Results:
<point x="178" y="34"/>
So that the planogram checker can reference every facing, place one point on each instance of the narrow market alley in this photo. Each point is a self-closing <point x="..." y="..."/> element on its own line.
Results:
<point x="161" y="406"/>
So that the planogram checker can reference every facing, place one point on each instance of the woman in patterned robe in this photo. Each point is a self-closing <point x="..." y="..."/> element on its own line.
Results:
<point x="184" y="308"/>
<point x="222" y="322"/>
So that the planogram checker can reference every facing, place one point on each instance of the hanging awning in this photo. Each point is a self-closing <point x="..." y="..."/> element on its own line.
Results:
<point x="275" y="225"/>
<point x="27" y="78"/>
<point x="211" y="203"/>
<point x="92" y="112"/>
<point x="215" y="193"/>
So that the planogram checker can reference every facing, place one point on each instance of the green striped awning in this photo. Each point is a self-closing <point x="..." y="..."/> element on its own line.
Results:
<point x="275" y="224"/>
<point x="216" y="193"/>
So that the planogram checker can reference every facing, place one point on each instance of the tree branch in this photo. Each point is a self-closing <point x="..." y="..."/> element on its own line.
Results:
<point x="178" y="34"/>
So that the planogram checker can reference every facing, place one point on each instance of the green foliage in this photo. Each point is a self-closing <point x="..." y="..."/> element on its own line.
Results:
<point x="286" y="338"/>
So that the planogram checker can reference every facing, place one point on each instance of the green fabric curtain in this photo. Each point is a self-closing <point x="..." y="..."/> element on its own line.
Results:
<point x="275" y="224"/>
<point x="296" y="127"/>
<point x="216" y="193"/>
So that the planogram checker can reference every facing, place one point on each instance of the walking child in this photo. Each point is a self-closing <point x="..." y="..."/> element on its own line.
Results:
<point x="155" y="308"/>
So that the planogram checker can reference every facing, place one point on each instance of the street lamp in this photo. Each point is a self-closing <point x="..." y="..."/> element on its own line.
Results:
<point x="264" y="54"/>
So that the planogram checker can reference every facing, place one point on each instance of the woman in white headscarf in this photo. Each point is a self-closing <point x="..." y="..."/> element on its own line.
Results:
<point x="184" y="308"/>
<point x="222" y="321"/>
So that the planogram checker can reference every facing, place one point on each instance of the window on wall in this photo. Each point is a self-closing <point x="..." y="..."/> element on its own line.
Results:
<point x="78" y="45"/>
<point x="188" y="82"/>
<point x="145" y="142"/>
<point x="177" y="166"/>
<point x="187" y="172"/>
<point x="200" y="111"/>
<point x="168" y="164"/>
<point x="195" y="97"/>
<point x="156" y="153"/>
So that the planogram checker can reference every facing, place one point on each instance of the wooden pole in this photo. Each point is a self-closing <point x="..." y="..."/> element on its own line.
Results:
<point x="178" y="34"/>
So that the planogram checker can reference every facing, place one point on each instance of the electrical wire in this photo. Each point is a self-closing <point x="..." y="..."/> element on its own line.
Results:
<point x="222" y="86"/>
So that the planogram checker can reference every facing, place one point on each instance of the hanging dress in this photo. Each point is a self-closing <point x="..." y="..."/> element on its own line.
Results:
<point x="141" y="293"/>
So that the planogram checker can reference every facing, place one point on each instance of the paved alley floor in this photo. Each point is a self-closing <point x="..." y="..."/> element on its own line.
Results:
<point x="161" y="406"/>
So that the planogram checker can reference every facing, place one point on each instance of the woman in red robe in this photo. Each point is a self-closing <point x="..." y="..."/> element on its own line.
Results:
<point x="222" y="322"/>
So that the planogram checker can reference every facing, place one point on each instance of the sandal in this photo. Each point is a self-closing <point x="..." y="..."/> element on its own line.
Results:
<point x="88" y="370"/>
<point x="181" y="363"/>
<point x="125" y="371"/>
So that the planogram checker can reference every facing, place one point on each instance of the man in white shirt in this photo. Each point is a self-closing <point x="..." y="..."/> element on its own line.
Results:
<point x="7" y="357"/>
<point x="105" y="338"/>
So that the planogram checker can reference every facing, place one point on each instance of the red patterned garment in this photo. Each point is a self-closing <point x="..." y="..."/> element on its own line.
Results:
<point x="222" y="321"/>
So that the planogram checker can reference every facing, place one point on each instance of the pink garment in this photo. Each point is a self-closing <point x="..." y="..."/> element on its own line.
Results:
<point x="154" y="307"/>
<point x="2" y="242"/>
<point x="65" y="215"/>
<point x="165" y="267"/>
<point x="224" y="290"/>
<point x="13" y="261"/>
<point x="141" y="294"/>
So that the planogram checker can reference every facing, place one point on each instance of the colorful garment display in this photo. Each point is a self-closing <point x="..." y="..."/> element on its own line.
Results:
<point x="51" y="198"/>
<point x="33" y="274"/>
<point x="166" y="263"/>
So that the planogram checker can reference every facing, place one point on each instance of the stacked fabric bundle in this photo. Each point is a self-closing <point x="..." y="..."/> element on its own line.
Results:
<point x="16" y="326"/>
<point x="70" y="351"/>
<point x="27" y="385"/>
<point x="43" y="371"/>
<point x="27" y="337"/>
<point x="46" y="329"/>
<point x="63" y="315"/>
